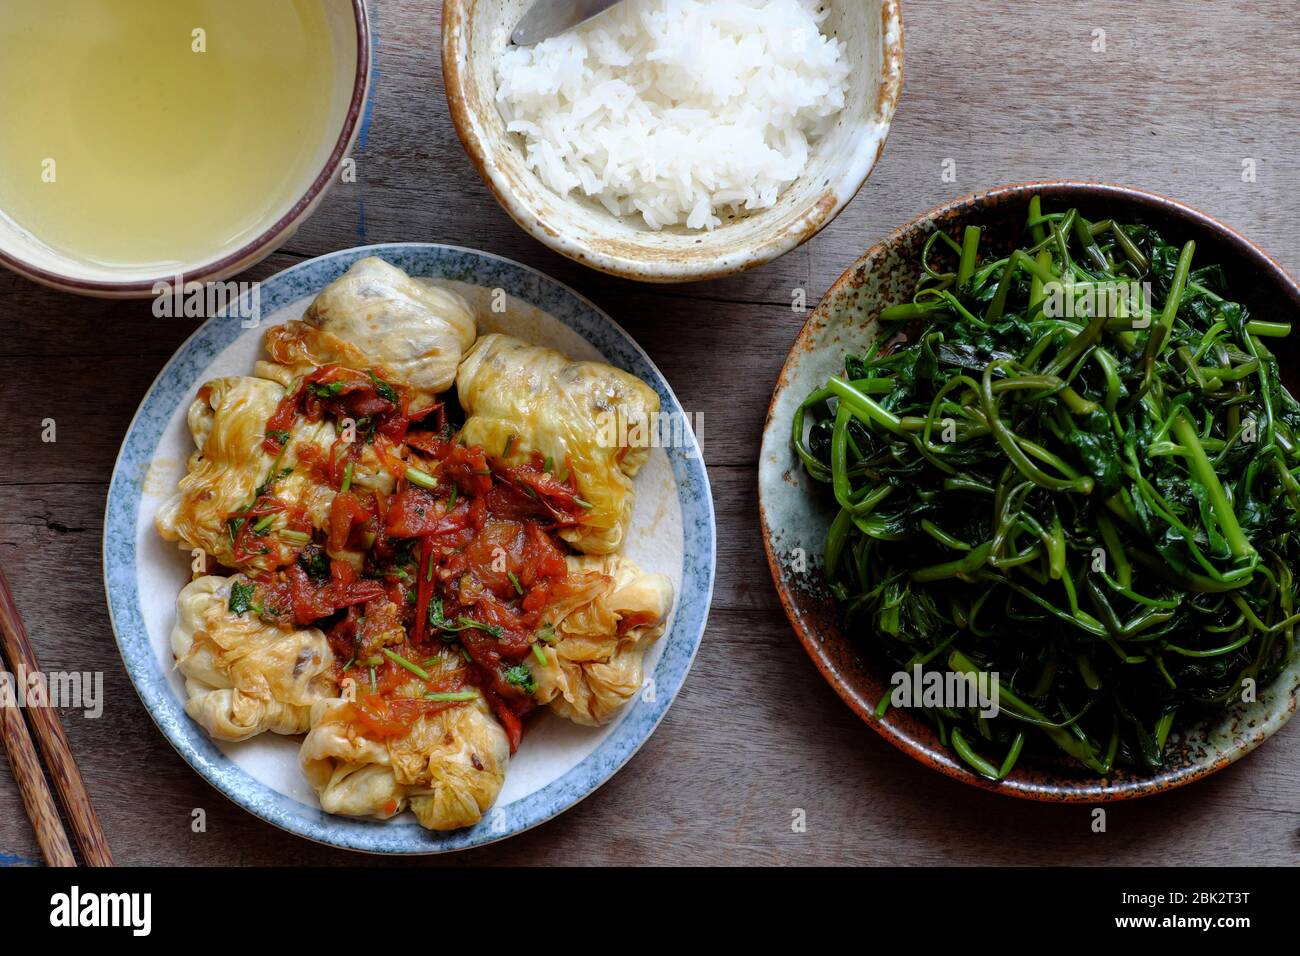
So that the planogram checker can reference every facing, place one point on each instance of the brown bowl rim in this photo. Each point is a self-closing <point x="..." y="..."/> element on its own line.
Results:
<point x="1047" y="787"/>
<point x="250" y="250"/>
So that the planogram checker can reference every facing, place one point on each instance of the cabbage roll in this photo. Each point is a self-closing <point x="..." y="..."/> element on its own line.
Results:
<point x="376" y="317"/>
<point x="521" y="399"/>
<point x="243" y="675"/>
<point x="448" y="767"/>
<point x="228" y="424"/>
<point x="602" y="632"/>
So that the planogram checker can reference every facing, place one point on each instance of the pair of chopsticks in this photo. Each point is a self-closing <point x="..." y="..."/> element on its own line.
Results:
<point x="32" y="786"/>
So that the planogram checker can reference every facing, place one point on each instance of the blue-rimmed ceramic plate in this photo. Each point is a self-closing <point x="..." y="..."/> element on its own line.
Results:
<point x="559" y="763"/>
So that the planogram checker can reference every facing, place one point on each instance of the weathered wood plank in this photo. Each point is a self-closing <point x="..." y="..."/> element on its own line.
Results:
<point x="1009" y="92"/>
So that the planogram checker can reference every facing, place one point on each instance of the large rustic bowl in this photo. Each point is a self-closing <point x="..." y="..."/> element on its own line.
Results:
<point x="475" y="32"/>
<point x="795" y="512"/>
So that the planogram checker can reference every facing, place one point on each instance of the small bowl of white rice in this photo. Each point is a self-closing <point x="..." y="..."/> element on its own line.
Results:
<point x="673" y="140"/>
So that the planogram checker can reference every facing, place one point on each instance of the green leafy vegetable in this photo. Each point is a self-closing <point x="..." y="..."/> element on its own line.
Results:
<point x="1074" y="474"/>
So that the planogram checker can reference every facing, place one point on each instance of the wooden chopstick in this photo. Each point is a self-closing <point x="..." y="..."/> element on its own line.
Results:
<point x="35" y="792"/>
<point x="53" y="741"/>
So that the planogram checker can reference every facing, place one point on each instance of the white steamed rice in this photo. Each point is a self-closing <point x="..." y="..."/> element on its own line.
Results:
<point x="680" y="111"/>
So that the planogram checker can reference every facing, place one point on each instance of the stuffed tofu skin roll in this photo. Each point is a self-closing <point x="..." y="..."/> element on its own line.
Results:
<point x="598" y="636"/>
<point x="587" y="421"/>
<point x="241" y="492"/>
<point x="375" y="316"/>
<point x="243" y="674"/>
<point x="379" y="754"/>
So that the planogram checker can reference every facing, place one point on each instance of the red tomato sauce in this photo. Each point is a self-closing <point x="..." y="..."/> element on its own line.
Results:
<point x="464" y="560"/>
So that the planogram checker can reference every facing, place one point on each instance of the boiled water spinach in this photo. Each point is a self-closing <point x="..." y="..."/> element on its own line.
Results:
<point x="1075" y="476"/>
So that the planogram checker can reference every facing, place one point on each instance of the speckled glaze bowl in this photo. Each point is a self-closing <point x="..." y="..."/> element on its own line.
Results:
<point x="349" y="30"/>
<point x="474" y="32"/>
<point x="795" y="512"/>
<point x="672" y="531"/>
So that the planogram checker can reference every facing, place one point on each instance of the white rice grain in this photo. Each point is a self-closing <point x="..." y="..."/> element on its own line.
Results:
<point x="679" y="111"/>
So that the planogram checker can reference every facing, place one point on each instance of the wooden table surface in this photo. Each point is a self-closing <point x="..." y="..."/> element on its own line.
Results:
<point x="1184" y="94"/>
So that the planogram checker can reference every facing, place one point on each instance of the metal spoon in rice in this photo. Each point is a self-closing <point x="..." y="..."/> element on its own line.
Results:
<point x="548" y="18"/>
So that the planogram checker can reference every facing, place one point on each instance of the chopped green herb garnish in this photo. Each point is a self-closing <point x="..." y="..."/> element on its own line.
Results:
<point x="546" y="633"/>
<point x="453" y="695"/>
<point x="438" y="622"/>
<point x="278" y="435"/>
<point x="383" y="389"/>
<point x="421" y="478"/>
<point x="347" y="478"/>
<point x="401" y="661"/>
<point x="520" y="676"/>
<point x="519" y="588"/>
<point x="315" y="562"/>
<point x="328" y="390"/>
<point x="241" y="596"/>
<point x="539" y="654"/>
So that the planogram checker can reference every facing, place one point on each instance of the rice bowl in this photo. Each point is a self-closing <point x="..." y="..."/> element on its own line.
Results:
<point x="475" y="33"/>
<point x="676" y="111"/>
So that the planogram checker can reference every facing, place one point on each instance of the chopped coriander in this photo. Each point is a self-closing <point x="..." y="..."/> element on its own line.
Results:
<point x="278" y="435"/>
<point x="548" y="466"/>
<point x="546" y="633"/>
<point x="438" y="622"/>
<point x="241" y="596"/>
<point x="520" y="676"/>
<point x="274" y="475"/>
